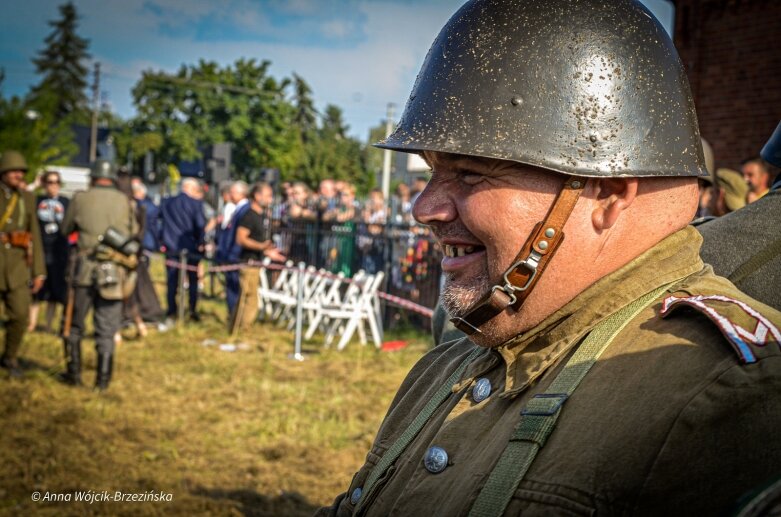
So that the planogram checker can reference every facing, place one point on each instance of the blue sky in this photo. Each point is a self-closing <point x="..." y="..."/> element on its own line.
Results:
<point x="357" y="54"/>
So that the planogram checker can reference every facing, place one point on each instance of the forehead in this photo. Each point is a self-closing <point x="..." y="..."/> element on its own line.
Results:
<point x="753" y="167"/>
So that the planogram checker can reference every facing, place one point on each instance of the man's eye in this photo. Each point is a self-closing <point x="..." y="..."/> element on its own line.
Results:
<point x="471" y="178"/>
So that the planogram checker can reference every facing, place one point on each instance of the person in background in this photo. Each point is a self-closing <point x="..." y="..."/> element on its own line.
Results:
<point x="228" y="251"/>
<point x="417" y="187"/>
<point x="301" y="212"/>
<point x="745" y="245"/>
<point x="181" y="224"/>
<point x="50" y="208"/>
<point x="402" y="205"/>
<point x="374" y="216"/>
<point x="102" y="277"/>
<point x="253" y="234"/>
<point x="144" y="306"/>
<point x="730" y="192"/>
<point x="343" y="216"/>
<point x="228" y="206"/>
<point x="21" y="255"/>
<point x="757" y="174"/>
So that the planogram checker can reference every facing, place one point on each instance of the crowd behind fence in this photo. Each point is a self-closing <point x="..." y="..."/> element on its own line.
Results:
<point x="406" y="253"/>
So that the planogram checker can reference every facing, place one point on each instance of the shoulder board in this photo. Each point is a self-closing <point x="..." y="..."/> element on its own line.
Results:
<point x="748" y="331"/>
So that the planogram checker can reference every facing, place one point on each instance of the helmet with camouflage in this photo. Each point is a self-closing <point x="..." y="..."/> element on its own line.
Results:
<point x="12" y="161"/>
<point x="103" y="169"/>
<point x="586" y="88"/>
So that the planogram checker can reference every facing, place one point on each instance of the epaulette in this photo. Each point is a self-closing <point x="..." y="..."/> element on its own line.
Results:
<point x="745" y="328"/>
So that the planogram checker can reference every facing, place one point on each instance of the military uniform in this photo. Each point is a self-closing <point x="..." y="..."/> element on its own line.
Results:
<point x="659" y="426"/>
<point x="654" y="389"/>
<point x="17" y="207"/>
<point x="97" y="283"/>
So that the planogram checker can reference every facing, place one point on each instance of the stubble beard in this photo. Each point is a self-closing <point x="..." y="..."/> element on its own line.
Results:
<point x="458" y="297"/>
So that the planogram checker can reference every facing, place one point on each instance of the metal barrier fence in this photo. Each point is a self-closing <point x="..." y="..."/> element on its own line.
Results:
<point x="407" y="254"/>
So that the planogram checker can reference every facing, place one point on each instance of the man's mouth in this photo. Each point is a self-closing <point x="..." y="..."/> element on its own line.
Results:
<point x="460" y="256"/>
<point x="460" y="251"/>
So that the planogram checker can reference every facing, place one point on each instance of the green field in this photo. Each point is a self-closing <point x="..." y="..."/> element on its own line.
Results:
<point x="250" y="432"/>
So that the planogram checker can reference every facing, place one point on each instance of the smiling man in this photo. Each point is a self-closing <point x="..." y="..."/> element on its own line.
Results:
<point x="607" y="369"/>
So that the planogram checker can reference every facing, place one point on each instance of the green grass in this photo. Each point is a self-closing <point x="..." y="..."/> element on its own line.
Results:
<point x="250" y="432"/>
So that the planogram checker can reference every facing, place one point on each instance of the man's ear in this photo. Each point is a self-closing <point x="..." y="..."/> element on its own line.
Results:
<point x="613" y="196"/>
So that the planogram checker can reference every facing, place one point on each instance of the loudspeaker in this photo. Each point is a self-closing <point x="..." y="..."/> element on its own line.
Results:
<point x="217" y="163"/>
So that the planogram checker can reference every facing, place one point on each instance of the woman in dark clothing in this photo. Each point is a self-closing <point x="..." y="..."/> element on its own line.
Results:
<point x="50" y="208"/>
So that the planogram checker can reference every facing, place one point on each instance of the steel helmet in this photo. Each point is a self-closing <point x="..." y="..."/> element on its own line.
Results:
<point x="12" y="161"/>
<point x="587" y="88"/>
<point x="103" y="169"/>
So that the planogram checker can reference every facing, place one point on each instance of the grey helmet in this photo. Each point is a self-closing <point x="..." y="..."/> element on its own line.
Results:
<point x="587" y="88"/>
<point x="103" y="169"/>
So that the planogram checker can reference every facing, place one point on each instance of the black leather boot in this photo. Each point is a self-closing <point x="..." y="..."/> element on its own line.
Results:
<point x="105" y="366"/>
<point x="72" y="375"/>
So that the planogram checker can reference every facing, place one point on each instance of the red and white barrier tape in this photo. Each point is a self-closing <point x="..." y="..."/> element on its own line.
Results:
<point x="401" y="302"/>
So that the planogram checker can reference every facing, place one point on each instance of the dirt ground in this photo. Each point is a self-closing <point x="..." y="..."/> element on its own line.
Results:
<point x="249" y="432"/>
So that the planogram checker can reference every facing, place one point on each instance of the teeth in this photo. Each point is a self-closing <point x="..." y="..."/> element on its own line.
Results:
<point x="458" y="251"/>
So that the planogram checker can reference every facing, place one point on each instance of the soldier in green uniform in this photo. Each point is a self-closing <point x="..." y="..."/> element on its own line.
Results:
<point x="607" y="370"/>
<point x="21" y="254"/>
<point x="102" y="275"/>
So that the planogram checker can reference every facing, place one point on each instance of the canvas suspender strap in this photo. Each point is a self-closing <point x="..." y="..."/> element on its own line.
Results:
<point x="401" y="443"/>
<point x="522" y="276"/>
<point x="762" y="257"/>
<point x="539" y="415"/>
<point x="9" y="210"/>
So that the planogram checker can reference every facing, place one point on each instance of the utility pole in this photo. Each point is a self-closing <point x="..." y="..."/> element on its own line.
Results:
<point x="386" y="158"/>
<point x="93" y="136"/>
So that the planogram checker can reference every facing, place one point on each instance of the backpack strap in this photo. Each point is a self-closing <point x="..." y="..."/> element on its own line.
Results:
<point x="401" y="443"/>
<point x="539" y="415"/>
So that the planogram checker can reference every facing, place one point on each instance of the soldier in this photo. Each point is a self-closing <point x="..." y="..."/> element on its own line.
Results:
<point x="614" y="373"/>
<point x="745" y="246"/>
<point x="102" y="278"/>
<point x="21" y="255"/>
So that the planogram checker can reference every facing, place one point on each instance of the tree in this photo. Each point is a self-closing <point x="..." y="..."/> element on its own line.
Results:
<point x="62" y="67"/>
<point x="305" y="117"/>
<point x="34" y="133"/>
<point x="205" y="104"/>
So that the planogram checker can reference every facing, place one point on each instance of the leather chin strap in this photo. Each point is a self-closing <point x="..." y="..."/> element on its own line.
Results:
<point x="522" y="276"/>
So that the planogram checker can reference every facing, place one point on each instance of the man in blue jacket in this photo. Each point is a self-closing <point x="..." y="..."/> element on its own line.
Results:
<point x="228" y="250"/>
<point x="181" y="228"/>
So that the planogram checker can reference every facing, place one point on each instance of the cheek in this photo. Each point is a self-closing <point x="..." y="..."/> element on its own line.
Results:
<point x="503" y="219"/>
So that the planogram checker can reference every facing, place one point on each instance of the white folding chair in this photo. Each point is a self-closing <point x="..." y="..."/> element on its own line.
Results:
<point x="356" y="310"/>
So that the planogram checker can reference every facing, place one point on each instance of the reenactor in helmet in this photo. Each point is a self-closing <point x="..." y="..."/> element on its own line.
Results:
<point x="607" y="370"/>
<point x="21" y="255"/>
<point x="103" y="269"/>
<point x="745" y="245"/>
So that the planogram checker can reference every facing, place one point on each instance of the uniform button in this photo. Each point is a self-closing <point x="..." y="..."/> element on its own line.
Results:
<point x="435" y="459"/>
<point x="481" y="390"/>
<point x="356" y="495"/>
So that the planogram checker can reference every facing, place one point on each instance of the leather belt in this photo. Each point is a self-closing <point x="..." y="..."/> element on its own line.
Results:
<point x="529" y="263"/>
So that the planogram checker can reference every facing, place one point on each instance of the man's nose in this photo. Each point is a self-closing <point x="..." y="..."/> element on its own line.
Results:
<point x="435" y="204"/>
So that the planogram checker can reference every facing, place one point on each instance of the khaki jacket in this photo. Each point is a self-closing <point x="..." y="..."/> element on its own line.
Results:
<point x="91" y="213"/>
<point x="671" y="420"/>
<point x="14" y="271"/>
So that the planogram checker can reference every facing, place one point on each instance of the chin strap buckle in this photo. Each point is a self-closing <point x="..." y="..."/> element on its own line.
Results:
<point x="531" y="264"/>
<point x="521" y="277"/>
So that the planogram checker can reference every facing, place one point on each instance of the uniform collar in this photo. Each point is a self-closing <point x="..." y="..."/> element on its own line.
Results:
<point x="7" y="190"/>
<point x="529" y="355"/>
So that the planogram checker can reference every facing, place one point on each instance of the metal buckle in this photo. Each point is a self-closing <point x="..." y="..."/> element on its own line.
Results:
<point x="530" y="263"/>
